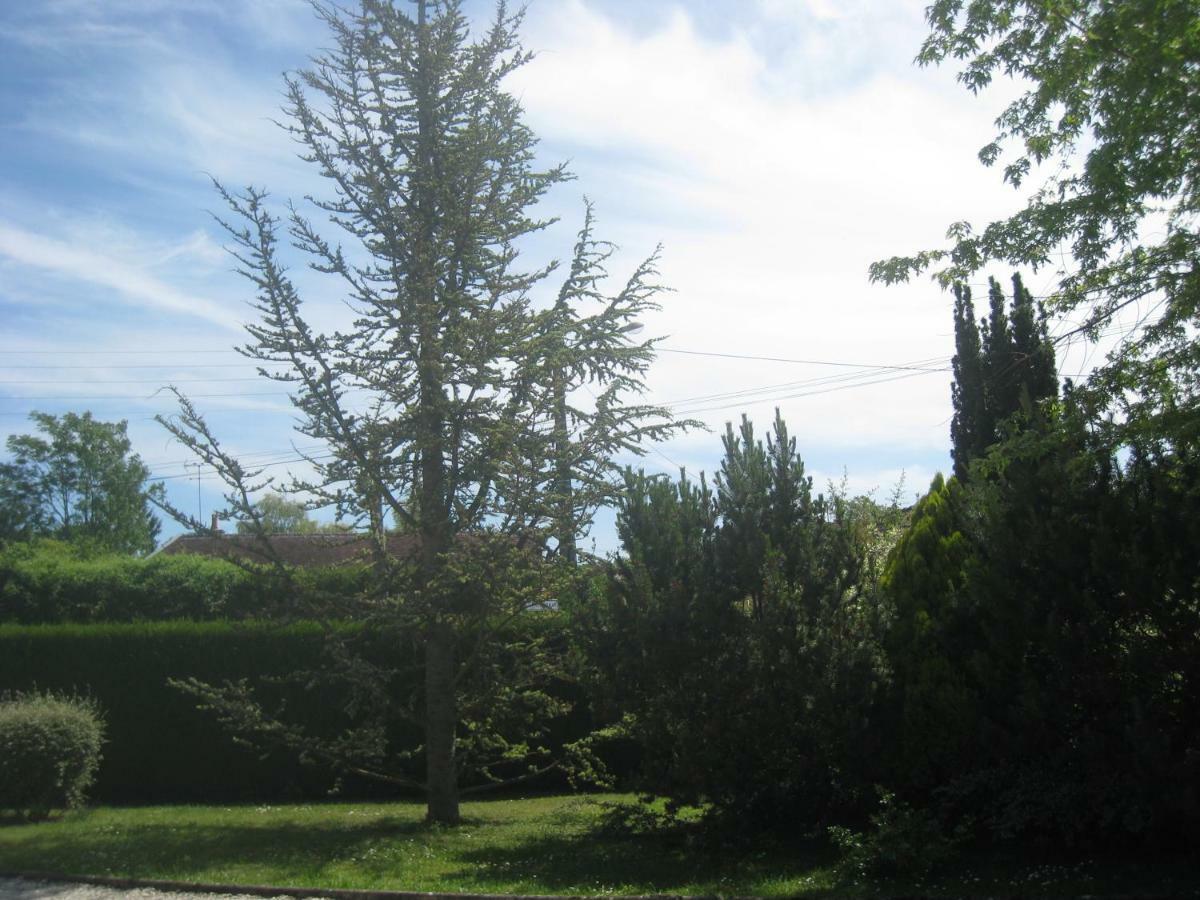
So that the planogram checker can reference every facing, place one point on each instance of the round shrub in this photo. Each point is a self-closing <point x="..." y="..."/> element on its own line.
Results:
<point x="49" y="751"/>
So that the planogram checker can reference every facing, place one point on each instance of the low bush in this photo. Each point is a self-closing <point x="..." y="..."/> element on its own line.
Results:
<point x="49" y="751"/>
<point x="901" y="841"/>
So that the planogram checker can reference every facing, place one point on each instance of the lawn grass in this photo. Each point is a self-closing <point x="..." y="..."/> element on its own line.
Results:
<point x="535" y="846"/>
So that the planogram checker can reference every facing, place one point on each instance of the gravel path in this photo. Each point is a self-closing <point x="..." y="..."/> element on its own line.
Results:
<point x="21" y="889"/>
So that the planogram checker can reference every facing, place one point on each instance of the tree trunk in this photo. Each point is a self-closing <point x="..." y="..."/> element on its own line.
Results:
<point x="441" y="702"/>
<point x="562" y="473"/>
<point x="441" y="715"/>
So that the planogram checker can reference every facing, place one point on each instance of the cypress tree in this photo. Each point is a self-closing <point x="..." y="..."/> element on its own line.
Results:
<point x="1003" y="364"/>
<point x="970" y="433"/>
<point x="1032" y="349"/>
<point x="1000" y="389"/>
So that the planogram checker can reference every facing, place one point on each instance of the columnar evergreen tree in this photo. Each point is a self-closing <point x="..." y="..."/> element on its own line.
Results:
<point x="448" y="405"/>
<point x="1000" y="393"/>
<point x="1033" y="351"/>
<point x="970" y="430"/>
<point x="1004" y="365"/>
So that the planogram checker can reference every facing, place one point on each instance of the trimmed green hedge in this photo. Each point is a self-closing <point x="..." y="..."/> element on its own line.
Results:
<point x="47" y="582"/>
<point x="159" y="747"/>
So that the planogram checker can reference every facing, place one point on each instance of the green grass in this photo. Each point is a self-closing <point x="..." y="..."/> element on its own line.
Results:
<point x="540" y="845"/>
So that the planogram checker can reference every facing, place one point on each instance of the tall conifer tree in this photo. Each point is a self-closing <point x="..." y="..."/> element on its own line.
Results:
<point x="1003" y="365"/>
<point x="970" y="433"/>
<point x="447" y="404"/>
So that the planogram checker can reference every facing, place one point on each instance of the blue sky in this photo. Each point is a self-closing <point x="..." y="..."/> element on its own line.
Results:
<point x="774" y="147"/>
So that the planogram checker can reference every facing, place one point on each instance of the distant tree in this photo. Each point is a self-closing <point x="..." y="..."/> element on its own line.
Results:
<point x="1003" y="366"/>
<point x="448" y="406"/>
<point x="276" y="514"/>
<point x="77" y="480"/>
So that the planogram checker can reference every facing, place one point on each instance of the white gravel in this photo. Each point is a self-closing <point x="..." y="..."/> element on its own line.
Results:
<point x="22" y="889"/>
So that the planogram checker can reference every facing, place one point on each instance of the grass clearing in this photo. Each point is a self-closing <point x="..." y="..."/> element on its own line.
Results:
<point x="536" y="845"/>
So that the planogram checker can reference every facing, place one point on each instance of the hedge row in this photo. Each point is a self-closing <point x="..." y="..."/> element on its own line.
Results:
<point x="46" y="583"/>
<point x="159" y="747"/>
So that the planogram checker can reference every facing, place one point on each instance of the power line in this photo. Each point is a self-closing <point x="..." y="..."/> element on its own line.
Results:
<point x="809" y="362"/>
<point x="828" y="390"/>
<point x="808" y="382"/>
<point x="170" y="365"/>
<point x="138" y="381"/>
<point x="269" y="465"/>
<point x="148" y="396"/>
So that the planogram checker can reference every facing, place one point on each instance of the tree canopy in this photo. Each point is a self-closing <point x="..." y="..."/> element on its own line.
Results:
<point x="77" y="480"/>
<point x="1114" y="101"/>
<point x="276" y="514"/>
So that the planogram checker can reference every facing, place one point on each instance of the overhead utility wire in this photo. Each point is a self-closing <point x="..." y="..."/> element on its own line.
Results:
<point x="170" y="365"/>
<point x="135" y="380"/>
<point x="814" y="393"/>
<point x="808" y="382"/>
<point x="147" y="396"/>
<point x="269" y="465"/>
<point x="83" y="351"/>
<point x="249" y="454"/>
<point x="780" y="359"/>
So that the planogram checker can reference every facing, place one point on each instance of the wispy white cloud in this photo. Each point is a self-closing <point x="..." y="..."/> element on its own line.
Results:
<point x="772" y="202"/>
<point x="127" y="283"/>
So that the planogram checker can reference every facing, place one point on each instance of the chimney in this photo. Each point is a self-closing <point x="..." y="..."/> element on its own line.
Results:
<point x="215" y="525"/>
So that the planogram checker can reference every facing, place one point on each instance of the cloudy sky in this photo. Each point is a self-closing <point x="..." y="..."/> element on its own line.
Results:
<point x="774" y="147"/>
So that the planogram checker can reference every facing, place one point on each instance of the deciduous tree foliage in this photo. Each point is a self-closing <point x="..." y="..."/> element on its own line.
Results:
<point x="279" y="515"/>
<point x="449" y="405"/>
<point x="1113" y="111"/>
<point x="77" y="480"/>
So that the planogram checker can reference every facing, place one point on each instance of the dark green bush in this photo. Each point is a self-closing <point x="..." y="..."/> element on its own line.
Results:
<point x="901" y="841"/>
<point x="49" y="751"/>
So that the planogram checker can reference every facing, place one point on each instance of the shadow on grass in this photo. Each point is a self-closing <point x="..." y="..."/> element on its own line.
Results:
<point x="664" y="861"/>
<point x="560" y="854"/>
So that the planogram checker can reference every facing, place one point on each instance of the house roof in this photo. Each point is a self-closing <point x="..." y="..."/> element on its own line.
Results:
<point x="303" y="550"/>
